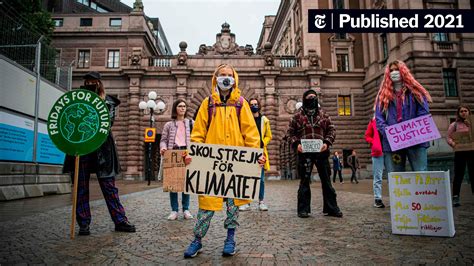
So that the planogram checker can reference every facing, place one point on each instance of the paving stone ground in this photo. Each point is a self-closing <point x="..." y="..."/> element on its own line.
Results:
<point x="362" y="236"/>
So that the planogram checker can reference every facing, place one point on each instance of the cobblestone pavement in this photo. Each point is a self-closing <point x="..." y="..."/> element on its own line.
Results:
<point x="278" y="236"/>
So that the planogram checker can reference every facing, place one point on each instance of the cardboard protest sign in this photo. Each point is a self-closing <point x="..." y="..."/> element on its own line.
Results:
<point x="412" y="132"/>
<point x="174" y="171"/>
<point x="224" y="171"/>
<point x="421" y="203"/>
<point x="312" y="145"/>
<point x="464" y="140"/>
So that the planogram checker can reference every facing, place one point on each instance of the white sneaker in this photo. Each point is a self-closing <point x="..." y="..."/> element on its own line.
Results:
<point x="262" y="206"/>
<point x="245" y="207"/>
<point x="173" y="216"/>
<point x="188" y="215"/>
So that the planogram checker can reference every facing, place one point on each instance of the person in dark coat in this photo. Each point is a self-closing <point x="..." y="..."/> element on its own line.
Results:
<point x="105" y="164"/>
<point x="311" y="122"/>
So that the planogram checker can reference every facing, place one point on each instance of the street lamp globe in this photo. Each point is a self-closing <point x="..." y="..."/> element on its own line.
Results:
<point x="160" y="106"/>
<point x="152" y="95"/>
<point x="151" y="104"/>
<point x="142" y="105"/>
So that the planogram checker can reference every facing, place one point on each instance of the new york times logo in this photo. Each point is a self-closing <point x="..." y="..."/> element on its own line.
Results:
<point x="319" y="21"/>
<point x="391" y="20"/>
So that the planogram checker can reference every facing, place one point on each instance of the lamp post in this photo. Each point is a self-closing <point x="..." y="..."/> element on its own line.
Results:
<point x="151" y="106"/>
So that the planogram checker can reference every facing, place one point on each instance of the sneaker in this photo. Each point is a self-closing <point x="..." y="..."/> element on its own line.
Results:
<point x="456" y="202"/>
<point x="245" y="207"/>
<point x="188" y="215"/>
<point x="303" y="215"/>
<point x="173" y="216"/>
<point x="379" y="204"/>
<point x="262" y="206"/>
<point x="342" y="182"/>
<point x="229" y="248"/>
<point x="193" y="249"/>
<point x="125" y="227"/>
<point x="84" y="230"/>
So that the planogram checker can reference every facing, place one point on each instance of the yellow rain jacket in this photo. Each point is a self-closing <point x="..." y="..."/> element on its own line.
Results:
<point x="224" y="129"/>
<point x="266" y="137"/>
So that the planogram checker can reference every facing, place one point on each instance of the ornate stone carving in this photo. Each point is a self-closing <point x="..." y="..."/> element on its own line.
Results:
<point x="182" y="55"/>
<point x="135" y="57"/>
<point x="138" y="6"/>
<point x="225" y="45"/>
<point x="248" y="49"/>
<point x="314" y="58"/>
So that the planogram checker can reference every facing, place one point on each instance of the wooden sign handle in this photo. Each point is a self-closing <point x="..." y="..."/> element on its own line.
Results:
<point x="74" y="197"/>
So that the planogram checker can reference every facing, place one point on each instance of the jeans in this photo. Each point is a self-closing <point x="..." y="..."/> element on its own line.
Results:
<point x="261" y="194"/>
<point x="377" y="169"/>
<point x="305" y="167"/>
<point x="396" y="161"/>
<point x="461" y="160"/>
<point x="174" y="201"/>
<point x="334" y="175"/>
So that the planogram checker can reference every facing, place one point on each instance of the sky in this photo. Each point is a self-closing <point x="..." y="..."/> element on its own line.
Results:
<point x="198" y="21"/>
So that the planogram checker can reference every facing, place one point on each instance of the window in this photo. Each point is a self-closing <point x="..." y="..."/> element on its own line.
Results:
<point x="338" y="4"/>
<point x="342" y="62"/>
<point x="86" y="22"/>
<point x="441" y="37"/>
<point x="58" y="22"/>
<point x="450" y="82"/>
<point x="383" y="39"/>
<point x="83" y="58"/>
<point x="344" y="105"/>
<point x="115" y="22"/>
<point x="113" y="60"/>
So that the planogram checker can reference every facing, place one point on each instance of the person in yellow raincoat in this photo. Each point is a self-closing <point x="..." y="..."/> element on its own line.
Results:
<point x="263" y="125"/>
<point x="228" y="126"/>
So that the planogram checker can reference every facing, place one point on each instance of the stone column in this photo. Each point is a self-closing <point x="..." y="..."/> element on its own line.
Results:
<point x="271" y="112"/>
<point x="134" y="146"/>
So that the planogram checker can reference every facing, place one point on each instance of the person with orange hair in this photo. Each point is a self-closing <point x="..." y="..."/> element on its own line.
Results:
<point x="399" y="99"/>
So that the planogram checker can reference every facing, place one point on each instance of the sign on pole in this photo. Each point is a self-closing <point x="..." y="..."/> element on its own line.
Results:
<point x="174" y="171"/>
<point x="412" y="132"/>
<point x="78" y="124"/>
<point x="223" y="171"/>
<point x="150" y="133"/>
<point x="421" y="203"/>
<point x="311" y="145"/>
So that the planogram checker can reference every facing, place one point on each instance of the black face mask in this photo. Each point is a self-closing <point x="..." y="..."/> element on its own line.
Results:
<point x="311" y="103"/>
<point x="91" y="87"/>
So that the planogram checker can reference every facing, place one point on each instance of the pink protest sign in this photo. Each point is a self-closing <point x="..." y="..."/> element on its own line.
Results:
<point x="412" y="132"/>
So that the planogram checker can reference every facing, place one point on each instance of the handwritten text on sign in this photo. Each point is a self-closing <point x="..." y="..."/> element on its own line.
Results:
<point x="224" y="171"/>
<point x="421" y="203"/>
<point x="174" y="171"/>
<point x="311" y="145"/>
<point x="412" y="132"/>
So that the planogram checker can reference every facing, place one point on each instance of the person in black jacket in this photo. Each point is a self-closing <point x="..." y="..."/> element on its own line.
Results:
<point x="105" y="164"/>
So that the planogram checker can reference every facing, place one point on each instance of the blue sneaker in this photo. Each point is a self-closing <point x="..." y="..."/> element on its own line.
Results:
<point x="193" y="249"/>
<point x="229" y="248"/>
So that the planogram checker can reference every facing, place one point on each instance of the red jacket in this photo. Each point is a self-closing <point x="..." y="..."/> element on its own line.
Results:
<point x="372" y="136"/>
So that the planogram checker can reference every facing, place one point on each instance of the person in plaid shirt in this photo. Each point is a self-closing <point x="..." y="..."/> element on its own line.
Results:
<point x="310" y="122"/>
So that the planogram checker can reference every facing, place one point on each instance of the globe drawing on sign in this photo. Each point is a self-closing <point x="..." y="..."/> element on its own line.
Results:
<point x="80" y="122"/>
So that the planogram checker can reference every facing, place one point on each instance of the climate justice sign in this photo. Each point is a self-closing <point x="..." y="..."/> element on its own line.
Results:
<point x="224" y="171"/>
<point x="412" y="132"/>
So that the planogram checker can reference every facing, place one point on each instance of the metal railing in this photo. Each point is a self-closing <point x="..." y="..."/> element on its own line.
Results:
<point x="290" y="62"/>
<point x="160" y="62"/>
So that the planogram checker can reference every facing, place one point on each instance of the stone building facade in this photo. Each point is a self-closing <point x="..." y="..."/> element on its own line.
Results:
<point x="345" y="69"/>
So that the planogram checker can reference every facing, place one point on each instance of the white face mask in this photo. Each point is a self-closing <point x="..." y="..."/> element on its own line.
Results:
<point x="395" y="76"/>
<point x="225" y="83"/>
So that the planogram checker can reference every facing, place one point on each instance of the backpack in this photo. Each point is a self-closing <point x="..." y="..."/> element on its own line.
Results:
<point x="212" y="106"/>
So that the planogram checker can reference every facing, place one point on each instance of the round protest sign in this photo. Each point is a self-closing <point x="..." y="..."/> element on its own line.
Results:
<point x="79" y="122"/>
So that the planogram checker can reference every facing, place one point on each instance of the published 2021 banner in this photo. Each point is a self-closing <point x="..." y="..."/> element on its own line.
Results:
<point x="223" y="171"/>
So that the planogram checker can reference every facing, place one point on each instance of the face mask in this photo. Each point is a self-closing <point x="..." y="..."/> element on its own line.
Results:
<point x="310" y="103"/>
<point x="225" y="83"/>
<point x="91" y="87"/>
<point x="254" y="109"/>
<point x="395" y="76"/>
